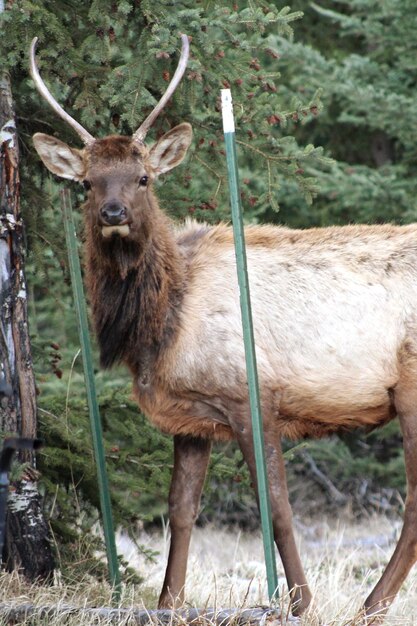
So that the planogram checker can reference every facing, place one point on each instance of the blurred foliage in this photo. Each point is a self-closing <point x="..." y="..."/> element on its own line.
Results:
<point x="345" y="82"/>
<point x="363" y="57"/>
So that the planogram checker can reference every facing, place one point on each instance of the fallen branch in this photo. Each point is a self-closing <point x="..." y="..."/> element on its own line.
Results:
<point x="15" y="614"/>
<point x="324" y="481"/>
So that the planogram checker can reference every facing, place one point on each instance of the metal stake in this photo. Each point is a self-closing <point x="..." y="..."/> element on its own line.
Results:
<point x="95" y="422"/>
<point x="248" y="337"/>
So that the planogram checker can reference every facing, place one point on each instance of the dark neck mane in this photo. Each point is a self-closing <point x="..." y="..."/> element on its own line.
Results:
<point x="136" y="292"/>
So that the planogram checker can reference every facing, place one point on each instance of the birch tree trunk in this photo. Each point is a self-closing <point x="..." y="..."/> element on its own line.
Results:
<point x="27" y="547"/>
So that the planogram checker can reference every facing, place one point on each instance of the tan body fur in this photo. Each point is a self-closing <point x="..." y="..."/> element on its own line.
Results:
<point x="334" y="328"/>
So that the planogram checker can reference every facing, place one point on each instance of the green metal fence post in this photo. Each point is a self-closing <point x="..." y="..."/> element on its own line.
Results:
<point x="251" y="369"/>
<point x="95" y="422"/>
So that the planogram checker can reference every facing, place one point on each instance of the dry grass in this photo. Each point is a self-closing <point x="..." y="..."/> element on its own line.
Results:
<point x="226" y="569"/>
<point x="342" y="562"/>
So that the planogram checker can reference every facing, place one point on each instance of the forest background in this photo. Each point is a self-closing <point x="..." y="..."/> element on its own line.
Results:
<point x="325" y="103"/>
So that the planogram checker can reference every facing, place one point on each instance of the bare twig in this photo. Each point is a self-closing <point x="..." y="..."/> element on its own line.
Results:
<point x="324" y="481"/>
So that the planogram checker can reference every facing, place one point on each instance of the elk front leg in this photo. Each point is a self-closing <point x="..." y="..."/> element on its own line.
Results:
<point x="191" y="457"/>
<point x="405" y="554"/>
<point x="280" y="508"/>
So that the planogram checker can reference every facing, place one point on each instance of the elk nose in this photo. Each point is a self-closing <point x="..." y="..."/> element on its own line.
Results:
<point x="113" y="213"/>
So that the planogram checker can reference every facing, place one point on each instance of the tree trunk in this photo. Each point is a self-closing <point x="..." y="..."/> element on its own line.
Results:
<point x="27" y="547"/>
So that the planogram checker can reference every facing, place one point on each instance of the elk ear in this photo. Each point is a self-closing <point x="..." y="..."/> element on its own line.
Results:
<point x="170" y="149"/>
<point x="59" y="158"/>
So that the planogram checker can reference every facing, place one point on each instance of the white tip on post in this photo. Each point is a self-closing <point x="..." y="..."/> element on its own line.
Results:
<point x="227" y="111"/>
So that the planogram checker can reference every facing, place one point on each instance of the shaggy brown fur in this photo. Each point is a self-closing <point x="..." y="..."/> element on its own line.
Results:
<point x="136" y="290"/>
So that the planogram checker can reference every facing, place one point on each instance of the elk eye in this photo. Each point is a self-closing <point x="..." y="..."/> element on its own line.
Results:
<point x="143" y="181"/>
<point x="86" y="184"/>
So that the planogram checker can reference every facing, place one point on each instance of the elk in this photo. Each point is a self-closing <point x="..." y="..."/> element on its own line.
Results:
<point x="335" y="314"/>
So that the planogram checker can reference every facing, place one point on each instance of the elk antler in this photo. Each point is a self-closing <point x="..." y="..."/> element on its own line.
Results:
<point x="140" y="134"/>
<point x="43" y="90"/>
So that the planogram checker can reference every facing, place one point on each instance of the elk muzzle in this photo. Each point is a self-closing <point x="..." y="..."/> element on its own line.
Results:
<point x="114" y="219"/>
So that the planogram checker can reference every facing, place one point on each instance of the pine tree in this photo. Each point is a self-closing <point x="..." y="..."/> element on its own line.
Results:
<point x="117" y="61"/>
<point x="362" y="54"/>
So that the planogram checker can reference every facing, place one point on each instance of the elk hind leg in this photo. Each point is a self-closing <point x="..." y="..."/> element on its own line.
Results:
<point x="405" y="554"/>
<point x="191" y="457"/>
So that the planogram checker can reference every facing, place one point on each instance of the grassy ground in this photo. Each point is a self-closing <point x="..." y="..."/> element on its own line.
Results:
<point x="342" y="561"/>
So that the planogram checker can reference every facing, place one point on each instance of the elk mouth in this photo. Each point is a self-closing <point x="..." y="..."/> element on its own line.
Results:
<point x="122" y="230"/>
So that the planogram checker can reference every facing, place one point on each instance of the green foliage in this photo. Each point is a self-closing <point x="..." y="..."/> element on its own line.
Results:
<point x="362" y="56"/>
<point x="139" y="464"/>
<point x="112" y="74"/>
<point x="366" y="467"/>
<point x="137" y="454"/>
